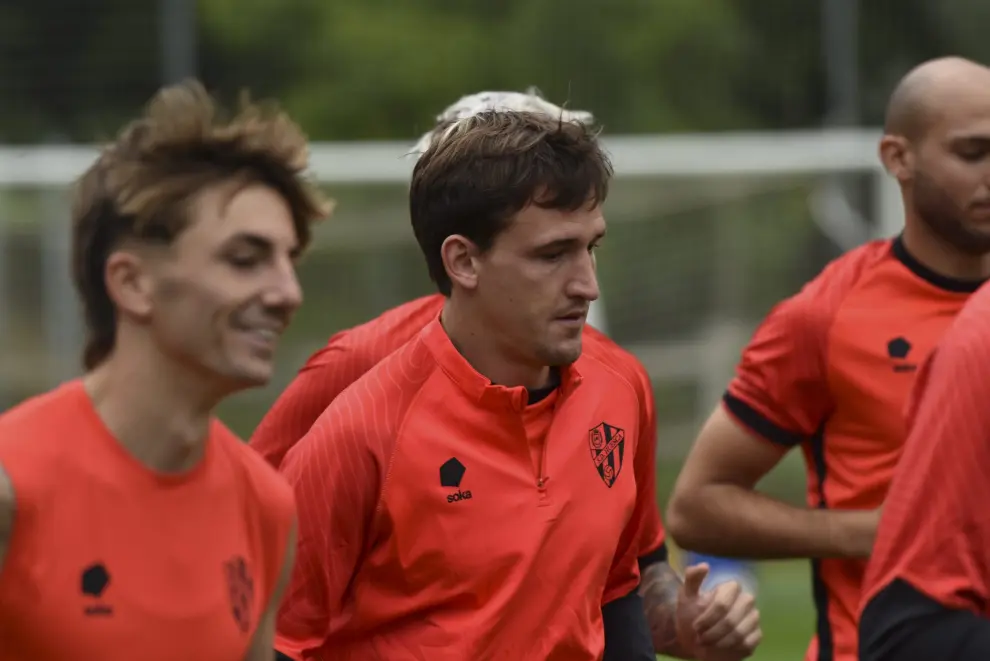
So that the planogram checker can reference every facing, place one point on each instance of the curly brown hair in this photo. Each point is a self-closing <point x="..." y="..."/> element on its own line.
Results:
<point x="142" y="186"/>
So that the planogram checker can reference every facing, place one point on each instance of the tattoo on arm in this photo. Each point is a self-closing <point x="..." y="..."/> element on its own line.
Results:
<point x="658" y="587"/>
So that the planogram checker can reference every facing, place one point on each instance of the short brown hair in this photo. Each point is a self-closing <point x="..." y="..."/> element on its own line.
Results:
<point x="483" y="170"/>
<point x="142" y="185"/>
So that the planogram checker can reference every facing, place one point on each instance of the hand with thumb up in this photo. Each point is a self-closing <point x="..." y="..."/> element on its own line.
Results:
<point x="721" y="624"/>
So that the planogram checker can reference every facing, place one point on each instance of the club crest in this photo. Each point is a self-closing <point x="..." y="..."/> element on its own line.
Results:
<point x="608" y="445"/>
<point x="240" y="588"/>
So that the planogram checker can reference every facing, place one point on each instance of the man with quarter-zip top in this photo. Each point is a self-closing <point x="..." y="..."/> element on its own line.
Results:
<point x="487" y="490"/>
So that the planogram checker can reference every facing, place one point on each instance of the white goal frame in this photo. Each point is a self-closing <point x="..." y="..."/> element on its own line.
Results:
<point x="815" y="152"/>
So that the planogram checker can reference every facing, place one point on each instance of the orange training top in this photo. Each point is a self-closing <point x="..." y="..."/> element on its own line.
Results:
<point x="348" y="355"/>
<point x="111" y="561"/>
<point x="935" y="531"/>
<point x="830" y="369"/>
<point x="443" y="518"/>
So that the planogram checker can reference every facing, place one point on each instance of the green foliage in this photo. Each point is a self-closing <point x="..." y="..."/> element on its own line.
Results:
<point x="358" y="69"/>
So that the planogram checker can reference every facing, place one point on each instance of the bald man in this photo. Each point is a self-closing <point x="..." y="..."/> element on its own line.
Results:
<point x="926" y="594"/>
<point x="830" y="369"/>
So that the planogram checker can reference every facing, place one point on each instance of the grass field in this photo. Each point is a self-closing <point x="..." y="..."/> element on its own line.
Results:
<point x="784" y="599"/>
<point x="784" y="588"/>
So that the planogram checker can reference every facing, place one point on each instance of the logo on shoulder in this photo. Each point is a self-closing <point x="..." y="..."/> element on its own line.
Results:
<point x="451" y="474"/>
<point x="608" y="447"/>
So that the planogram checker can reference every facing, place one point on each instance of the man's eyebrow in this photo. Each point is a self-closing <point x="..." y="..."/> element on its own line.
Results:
<point x="254" y="240"/>
<point x="260" y="242"/>
<point x="569" y="241"/>
<point x="558" y="243"/>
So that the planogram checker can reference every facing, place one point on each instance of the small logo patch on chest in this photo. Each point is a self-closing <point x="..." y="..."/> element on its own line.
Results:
<point x="608" y="445"/>
<point x="240" y="588"/>
<point x="898" y="350"/>
<point x="451" y="475"/>
<point x="93" y="583"/>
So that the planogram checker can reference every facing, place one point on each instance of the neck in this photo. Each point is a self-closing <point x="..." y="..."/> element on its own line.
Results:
<point x="487" y="355"/>
<point x="159" y="414"/>
<point x="937" y="254"/>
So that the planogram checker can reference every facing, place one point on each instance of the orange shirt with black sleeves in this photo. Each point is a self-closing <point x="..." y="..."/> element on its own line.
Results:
<point x="933" y="543"/>
<point x="830" y="369"/>
<point x="111" y="561"/>
<point x="441" y="517"/>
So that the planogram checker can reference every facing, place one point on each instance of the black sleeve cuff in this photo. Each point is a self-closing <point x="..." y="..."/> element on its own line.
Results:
<point x="759" y="424"/>
<point x="653" y="557"/>
<point x="903" y="624"/>
<point x="281" y="657"/>
<point x="627" y="634"/>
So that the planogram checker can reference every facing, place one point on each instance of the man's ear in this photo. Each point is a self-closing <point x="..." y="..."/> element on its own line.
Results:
<point x="460" y="260"/>
<point x="129" y="282"/>
<point x="897" y="157"/>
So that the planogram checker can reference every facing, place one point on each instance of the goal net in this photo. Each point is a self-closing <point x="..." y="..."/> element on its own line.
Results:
<point x="705" y="234"/>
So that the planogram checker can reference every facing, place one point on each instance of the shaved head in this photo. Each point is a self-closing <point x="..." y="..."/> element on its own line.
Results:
<point x="936" y="143"/>
<point x="928" y="90"/>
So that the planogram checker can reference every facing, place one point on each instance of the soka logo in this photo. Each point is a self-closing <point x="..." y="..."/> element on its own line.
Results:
<point x="460" y="495"/>
<point x="451" y="474"/>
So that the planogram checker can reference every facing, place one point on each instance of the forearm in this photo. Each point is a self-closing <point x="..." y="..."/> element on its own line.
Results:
<point x="733" y="521"/>
<point x="659" y="587"/>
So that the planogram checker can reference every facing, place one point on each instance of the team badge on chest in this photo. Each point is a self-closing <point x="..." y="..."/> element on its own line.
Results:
<point x="240" y="588"/>
<point x="608" y="445"/>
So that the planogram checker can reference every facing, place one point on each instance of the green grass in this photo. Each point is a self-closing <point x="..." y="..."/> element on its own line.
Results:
<point x="784" y="588"/>
<point x="787" y="614"/>
<point x="786" y="610"/>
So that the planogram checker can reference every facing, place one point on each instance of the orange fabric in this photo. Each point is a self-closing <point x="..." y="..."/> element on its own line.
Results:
<point x="347" y="355"/>
<point x="830" y="369"/>
<point x="935" y="532"/>
<point x="111" y="561"/>
<point x="430" y="528"/>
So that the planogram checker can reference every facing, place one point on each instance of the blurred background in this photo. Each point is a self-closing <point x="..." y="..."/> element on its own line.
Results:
<point x="743" y="133"/>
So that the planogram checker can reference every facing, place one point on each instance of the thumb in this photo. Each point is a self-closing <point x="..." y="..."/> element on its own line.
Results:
<point x="694" y="576"/>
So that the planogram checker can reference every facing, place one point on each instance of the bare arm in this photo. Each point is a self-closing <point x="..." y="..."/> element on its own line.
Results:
<point x="715" y="508"/>
<point x="263" y="643"/>
<point x="659" y="588"/>
<point x="6" y="514"/>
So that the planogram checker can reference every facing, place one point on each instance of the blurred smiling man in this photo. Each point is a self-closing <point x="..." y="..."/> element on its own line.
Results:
<point x="132" y="523"/>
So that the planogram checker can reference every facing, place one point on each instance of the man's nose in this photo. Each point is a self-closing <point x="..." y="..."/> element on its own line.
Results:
<point x="284" y="290"/>
<point x="585" y="283"/>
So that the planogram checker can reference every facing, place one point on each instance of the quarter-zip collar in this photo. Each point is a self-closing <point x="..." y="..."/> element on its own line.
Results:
<point x="477" y="386"/>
